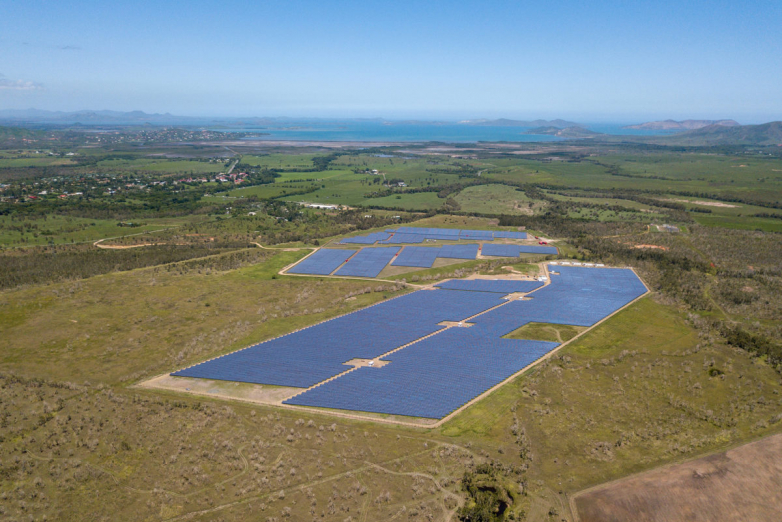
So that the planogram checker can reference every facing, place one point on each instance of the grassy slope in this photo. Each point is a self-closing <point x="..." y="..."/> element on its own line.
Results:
<point x="630" y="395"/>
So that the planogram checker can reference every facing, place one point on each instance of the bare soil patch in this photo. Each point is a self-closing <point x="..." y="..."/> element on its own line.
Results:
<point x="358" y="363"/>
<point x="658" y="247"/>
<point x="744" y="483"/>
<point x="257" y="393"/>
<point x="704" y="203"/>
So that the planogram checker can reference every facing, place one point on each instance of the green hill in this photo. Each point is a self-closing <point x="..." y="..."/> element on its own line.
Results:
<point x="764" y="134"/>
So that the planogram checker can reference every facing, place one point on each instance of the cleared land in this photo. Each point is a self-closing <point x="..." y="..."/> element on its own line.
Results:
<point x="743" y="483"/>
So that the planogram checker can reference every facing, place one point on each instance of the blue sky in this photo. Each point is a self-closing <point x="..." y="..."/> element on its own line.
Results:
<point x="597" y="61"/>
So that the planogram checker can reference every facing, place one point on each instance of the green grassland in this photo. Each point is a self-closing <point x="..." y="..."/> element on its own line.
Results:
<point x="65" y="229"/>
<point x="496" y="199"/>
<point x="416" y="201"/>
<point x="558" y="333"/>
<point x="163" y="166"/>
<point x="639" y="391"/>
<point x="717" y="174"/>
<point x="35" y="161"/>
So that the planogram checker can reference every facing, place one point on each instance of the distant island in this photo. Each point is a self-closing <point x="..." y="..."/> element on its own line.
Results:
<point x="576" y="131"/>
<point x="504" y="122"/>
<point x="681" y="125"/>
<point x="711" y="135"/>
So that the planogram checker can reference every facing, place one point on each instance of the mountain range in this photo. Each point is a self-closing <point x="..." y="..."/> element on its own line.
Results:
<point x="763" y="134"/>
<point x="681" y="125"/>
<point x="91" y="117"/>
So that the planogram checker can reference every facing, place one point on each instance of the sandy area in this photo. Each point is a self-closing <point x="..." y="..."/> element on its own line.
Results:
<point x="658" y="247"/>
<point x="704" y="203"/>
<point x="258" y="393"/>
<point x="744" y="483"/>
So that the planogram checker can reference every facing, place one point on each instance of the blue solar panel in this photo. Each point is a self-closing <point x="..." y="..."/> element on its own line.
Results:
<point x="510" y="235"/>
<point x="369" y="262"/>
<point x="423" y="257"/>
<point x="459" y="251"/>
<point x="368" y="239"/>
<point x="430" y="378"/>
<point x="408" y="235"/>
<point x="399" y="238"/>
<point x="309" y="356"/>
<point x="322" y="262"/>
<point x="515" y="250"/>
<point x="577" y="296"/>
<point x="502" y="286"/>
<point x="434" y="376"/>
<point x="477" y="235"/>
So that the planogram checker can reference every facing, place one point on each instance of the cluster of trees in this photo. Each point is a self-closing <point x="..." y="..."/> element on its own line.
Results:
<point x="41" y="265"/>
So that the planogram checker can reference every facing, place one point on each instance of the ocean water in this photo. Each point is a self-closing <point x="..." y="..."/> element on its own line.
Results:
<point x="410" y="132"/>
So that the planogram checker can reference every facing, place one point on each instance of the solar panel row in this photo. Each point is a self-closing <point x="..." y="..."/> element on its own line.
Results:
<point x="312" y="355"/>
<point x="459" y="251"/>
<point x="423" y="257"/>
<point x="322" y="262"/>
<point x="420" y="234"/>
<point x="515" y="250"/>
<point x="430" y="378"/>
<point x="577" y="296"/>
<point x="368" y="262"/>
<point x="502" y="286"/>
<point x="400" y="238"/>
<point x="369" y="239"/>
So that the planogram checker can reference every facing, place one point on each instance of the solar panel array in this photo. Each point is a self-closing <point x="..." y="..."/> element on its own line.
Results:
<point x="398" y="239"/>
<point x="423" y="257"/>
<point x="434" y="376"/>
<point x="430" y="378"/>
<point x="322" y="262"/>
<point x="369" y="239"/>
<point x="577" y="296"/>
<point x="476" y="235"/>
<point x="309" y="356"/>
<point x="510" y="235"/>
<point x="501" y="286"/>
<point x="414" y="235"/>
<point x="368" y="262"/>
<point x="515" y="250"/>
<point x="459" y="251"/>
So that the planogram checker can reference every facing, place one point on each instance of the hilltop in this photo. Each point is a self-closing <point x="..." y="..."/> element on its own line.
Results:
<point x="88" y="117"/>
<point x="763" y="134"/>
<point x="681" y="125"/>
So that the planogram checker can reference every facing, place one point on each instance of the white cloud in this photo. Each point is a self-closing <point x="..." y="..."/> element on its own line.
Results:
<point x="7" y="84"/>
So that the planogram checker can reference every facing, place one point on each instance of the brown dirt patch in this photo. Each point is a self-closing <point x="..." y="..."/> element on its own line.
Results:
<point x="658" y="247"/>
<point x="258" y="393"/>
<point x="744" y="483"/>
<point x="704" y="203"/>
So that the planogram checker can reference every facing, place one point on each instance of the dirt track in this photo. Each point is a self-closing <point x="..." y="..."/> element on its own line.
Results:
<point x="744" y="483"/>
